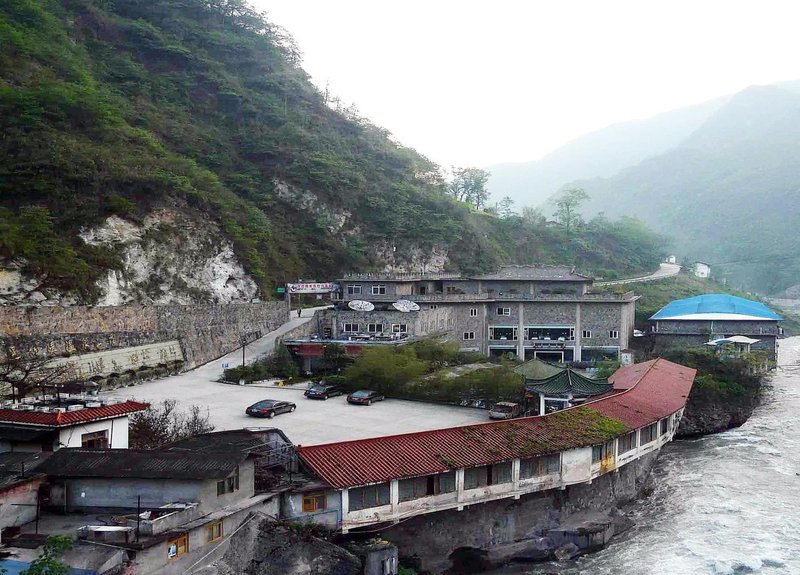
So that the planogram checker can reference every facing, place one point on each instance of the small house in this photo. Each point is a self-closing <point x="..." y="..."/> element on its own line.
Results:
<point x="702" y="270"/>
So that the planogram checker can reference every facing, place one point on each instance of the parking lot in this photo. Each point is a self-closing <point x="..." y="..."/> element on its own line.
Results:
<point x="314" y="421"/>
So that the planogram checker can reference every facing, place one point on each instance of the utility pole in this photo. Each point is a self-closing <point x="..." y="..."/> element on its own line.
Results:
<point x="244" y="342"/>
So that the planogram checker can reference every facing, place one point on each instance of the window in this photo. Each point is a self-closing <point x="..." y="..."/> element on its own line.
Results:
<point x="313" y="502"/>
<point x="353" y="290"/>
<point x="539" y="466"/>
<point x="95" y="440"/>
<point x="350" y="327"/>
<point x="475" y="477"/>
<point x="215" y="531"/>
<point x="649" y="433"/>
<point x="378" y="290"/>
<point x="433" y="306"/>
<point x="469" y="335"/>
<point x="613" y="334"/>
<point x="374" y="327"/>
<point x="627" y="442"/>
<point x="664" y="426"/>
<point x="369" y="496"/>
<point x="178" y="547"/>
<point x="426" y="486"/>
<point x="504" y="311"/>
<point x="500" y="473"/>
<point x="473" y="312"/>
<point x="399" y="328"/>
<point x="587" y="333"/>
<point x="601" y="452"/>
<point x="441" y="323"/>
<point x="229" y="484"/>
<point x="497" y="332"/>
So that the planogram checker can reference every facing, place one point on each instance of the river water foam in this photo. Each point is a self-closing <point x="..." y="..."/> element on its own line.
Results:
<point x="726" y="504"/>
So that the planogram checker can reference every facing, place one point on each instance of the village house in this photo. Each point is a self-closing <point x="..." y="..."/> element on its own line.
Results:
<point x="698" y="320"/>
<point x="545" y="312"/>
<point x="371" y="482"/>
<point x="702" y="270"/>
<point x="44" y="426"/>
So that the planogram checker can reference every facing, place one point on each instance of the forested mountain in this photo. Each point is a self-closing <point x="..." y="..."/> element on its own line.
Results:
<point x="154" y="146"/>
<point x="599" y="154"/>
<point x="729" y="194"/>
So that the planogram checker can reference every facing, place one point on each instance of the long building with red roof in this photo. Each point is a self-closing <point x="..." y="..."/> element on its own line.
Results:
<point x="366" y="482"/>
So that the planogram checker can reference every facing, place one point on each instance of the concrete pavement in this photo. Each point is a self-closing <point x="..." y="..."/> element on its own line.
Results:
<point x="313" y="422"/>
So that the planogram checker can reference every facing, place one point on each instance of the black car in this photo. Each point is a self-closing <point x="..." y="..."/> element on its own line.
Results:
<point x="270" y="408"/>
<point x="323" y="391"/>
<point x="364" y="397"/>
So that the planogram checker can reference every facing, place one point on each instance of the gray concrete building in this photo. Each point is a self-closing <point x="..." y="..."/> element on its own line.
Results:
<point x="547" y="312"/>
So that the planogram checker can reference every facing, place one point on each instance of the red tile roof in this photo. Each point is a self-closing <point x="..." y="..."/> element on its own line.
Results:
<point x="655" y="390"/>
<point x="67" y="418"/>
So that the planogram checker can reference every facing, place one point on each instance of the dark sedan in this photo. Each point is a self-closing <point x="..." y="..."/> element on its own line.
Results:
<point x="270" y="408"/>
<point x="364" y="397"/>
<point x="323" y="391"/>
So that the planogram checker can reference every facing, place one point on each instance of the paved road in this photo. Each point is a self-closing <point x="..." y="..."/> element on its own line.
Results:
<point x="313" y="422"/>
<point x="664" y="271"/>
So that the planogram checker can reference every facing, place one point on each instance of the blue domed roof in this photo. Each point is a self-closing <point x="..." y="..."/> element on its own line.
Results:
<point x="716" y="306"/>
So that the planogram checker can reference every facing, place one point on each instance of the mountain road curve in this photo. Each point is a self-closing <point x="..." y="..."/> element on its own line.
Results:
<point x="664" y="270"/>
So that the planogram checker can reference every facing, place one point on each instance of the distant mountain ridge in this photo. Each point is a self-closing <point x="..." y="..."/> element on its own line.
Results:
<point x="728" y="194"/>
<point x="602" y="153"/>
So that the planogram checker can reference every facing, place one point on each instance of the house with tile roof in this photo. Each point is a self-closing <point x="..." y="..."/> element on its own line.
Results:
<point x="47" y="426"/>
<point x="383" y="480"/>
<point x="565" y="388"/>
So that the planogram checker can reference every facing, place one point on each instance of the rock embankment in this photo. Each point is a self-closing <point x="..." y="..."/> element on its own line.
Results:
<point x="267" y="547"/>
<point x="708" y="412"/>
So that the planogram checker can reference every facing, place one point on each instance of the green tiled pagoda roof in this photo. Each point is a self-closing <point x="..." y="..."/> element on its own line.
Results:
<point x="567" y="381"/>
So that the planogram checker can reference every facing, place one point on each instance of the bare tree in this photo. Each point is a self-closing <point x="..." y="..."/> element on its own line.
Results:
<point x="161" y="424"/>
<point x="19" y="374"/>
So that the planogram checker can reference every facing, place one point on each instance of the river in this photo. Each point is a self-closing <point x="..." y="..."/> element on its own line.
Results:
<point x="723" y="504"/>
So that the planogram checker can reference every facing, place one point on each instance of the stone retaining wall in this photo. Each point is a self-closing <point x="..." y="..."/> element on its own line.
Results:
<point x="205" y="331"/>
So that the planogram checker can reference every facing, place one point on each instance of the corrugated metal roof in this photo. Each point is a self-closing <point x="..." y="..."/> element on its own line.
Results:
<point x="654" y="390"/>
<point x="67" y="418"/>
<point x="715" y="304"/>
<point x="140" y="463"/>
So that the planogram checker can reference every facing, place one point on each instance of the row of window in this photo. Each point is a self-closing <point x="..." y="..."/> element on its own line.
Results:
<point x="357" y="290"/>
<point x="374" y="328"/>
<point x="561" y="334"/>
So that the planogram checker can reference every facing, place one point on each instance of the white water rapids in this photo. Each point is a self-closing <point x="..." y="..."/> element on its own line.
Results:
<point x="726" y="504"/>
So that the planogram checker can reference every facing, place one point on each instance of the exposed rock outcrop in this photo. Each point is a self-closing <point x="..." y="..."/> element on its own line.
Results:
<point x="706" y="414"/>
<point x="266" y="547"/>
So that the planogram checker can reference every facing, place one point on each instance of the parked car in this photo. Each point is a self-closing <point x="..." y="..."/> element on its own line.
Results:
<point x="364" y="397"/>
<point x="505" y="410"/>
<point x="323" y="391"/>
<point x="270" y="408"/>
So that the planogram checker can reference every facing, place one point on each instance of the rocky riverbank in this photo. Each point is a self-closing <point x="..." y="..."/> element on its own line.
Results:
<point x="714" y="410"/>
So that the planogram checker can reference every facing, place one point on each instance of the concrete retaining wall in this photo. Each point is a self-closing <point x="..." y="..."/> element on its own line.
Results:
<point x="205" y="331"/>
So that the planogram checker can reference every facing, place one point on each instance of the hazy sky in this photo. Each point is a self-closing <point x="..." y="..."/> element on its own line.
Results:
<point x="474" y="83"/>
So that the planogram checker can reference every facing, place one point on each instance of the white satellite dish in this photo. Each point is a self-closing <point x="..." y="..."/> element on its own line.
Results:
<point x="405" y="306"/>
<point x="360" y="305"/>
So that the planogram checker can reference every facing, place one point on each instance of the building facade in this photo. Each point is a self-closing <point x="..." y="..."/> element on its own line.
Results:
<point x="384" y="480"/>
<point x="545" y="312"/>
<point x="696" y="321"/>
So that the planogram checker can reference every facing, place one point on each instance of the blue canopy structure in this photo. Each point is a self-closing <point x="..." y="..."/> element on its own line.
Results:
<point x="715" y="306"/>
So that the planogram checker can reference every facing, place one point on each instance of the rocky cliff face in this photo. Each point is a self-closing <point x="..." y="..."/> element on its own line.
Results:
<point x="706" y="414"/>
<point x="265" y="547"/>
<point x="171" y="256"/>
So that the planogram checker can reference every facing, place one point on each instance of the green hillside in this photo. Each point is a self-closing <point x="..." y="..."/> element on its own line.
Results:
<point x="114" y="106"/>
<point x="729" y="194"/>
